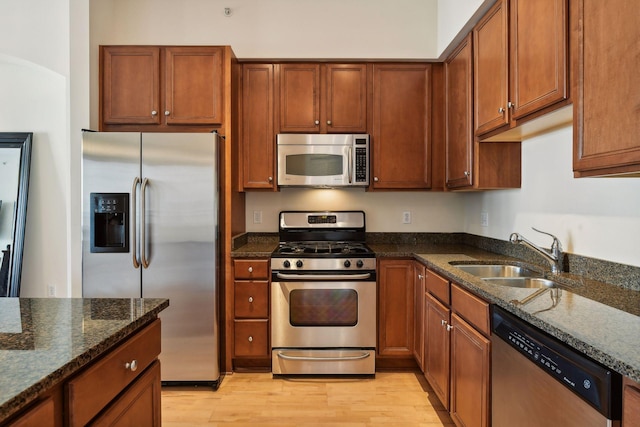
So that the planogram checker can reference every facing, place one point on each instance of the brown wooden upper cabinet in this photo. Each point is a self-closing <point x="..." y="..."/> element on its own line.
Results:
<point x="605" y="40"/>
<point x="401" y="140"/>
<point x="323" y="98"/>
<point x="257" y="158"/>
<point x="161" y="86"/>
<point x="520" y="63"/>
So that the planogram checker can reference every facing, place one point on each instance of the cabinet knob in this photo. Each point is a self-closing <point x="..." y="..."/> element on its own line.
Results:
<point x="270" y="179"/>
<point x="420" y="276"/>
<point x="250" y="299"/>
<point x="501" y="110"/>
<point x="132" y="366"/>
<point x="317" y="122"/>
<point x="250" y="339"/>
<point x="466" y="173"/>
<point x="511" y="105"/>
<point x="375" y="179"/>
<point x="167" y="113"/>
<point x="250" y="269"/>
<point x="329" y="122"/>
<point x="443" y="323"/>
<point x="449" y="328"/>
<point x="154" y="113"/>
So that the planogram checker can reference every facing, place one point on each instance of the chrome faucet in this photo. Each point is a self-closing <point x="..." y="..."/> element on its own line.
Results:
<point x="553" y="256"/>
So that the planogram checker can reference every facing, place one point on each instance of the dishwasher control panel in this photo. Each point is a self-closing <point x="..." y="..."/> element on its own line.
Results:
<point x="590" y="380"/>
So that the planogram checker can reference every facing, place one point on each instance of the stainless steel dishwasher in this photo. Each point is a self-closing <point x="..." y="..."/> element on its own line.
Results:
<point x="539" y="381"/>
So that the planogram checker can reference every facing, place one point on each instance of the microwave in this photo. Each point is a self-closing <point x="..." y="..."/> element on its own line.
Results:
<point x="323" y="160"/>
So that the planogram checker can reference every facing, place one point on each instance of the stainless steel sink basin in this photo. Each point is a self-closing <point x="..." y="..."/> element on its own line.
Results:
<point x="521" y="282"/>
<point x="497" y="270"/>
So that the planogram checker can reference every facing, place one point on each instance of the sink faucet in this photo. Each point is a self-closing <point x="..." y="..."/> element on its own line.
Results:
<point x="553" y="256"/>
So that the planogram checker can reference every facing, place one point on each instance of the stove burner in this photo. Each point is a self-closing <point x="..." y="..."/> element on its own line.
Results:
<point x="296" y="248"/>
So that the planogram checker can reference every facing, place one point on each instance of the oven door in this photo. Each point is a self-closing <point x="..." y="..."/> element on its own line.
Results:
<point x="323" y="327"/>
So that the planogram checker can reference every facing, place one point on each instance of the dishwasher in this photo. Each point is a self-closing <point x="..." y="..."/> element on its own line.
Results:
<point x="539" y="381"/>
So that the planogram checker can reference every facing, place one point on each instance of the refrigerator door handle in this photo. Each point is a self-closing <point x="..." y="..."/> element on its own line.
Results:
<point x="143" y="215"/>
<point x="134" y="218"/>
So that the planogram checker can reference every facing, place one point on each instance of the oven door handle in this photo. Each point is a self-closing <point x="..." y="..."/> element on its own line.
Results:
<point x="361" y="276"/>
<point x="324" y="359"/>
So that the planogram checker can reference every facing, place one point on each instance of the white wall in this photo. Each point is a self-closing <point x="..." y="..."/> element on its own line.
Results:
<point x="595" y="217"/>
<point x="455" y="18"/>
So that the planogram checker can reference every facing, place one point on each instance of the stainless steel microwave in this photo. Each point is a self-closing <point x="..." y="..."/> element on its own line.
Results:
<point x="323" y="160"/>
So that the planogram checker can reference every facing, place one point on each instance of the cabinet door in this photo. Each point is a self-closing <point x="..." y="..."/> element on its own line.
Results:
<point x="345" y="103"/>
<point x="418" y="311"/>
<point x="300" y="98"/>
<point x="491" y="69"/>
<point x="538" y="54"/>
<point x="193" y="85"/>
<point x="138" y="406"/>
<point x="258" y="139"/>
<point x="395" y="308"/>
<point x="401" y="126"/>
<point x="437" y="349"/>
<point x="630" y="403"/>
<point x="41" y="415"/>
<point x="458" y="116"/>
<point x="130" y="84"/>
<point x="469" y="375"/>
<point x="606" y="50"/>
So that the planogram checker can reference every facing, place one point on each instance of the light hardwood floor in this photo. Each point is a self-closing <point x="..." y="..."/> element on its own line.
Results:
<point x="256" y="399"/>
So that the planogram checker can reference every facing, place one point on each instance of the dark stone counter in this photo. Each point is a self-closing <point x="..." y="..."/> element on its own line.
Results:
<point x="43" y="341"/>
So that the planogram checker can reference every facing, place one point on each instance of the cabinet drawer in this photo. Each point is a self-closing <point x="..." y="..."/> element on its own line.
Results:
<point x="251" y="338"/>
<point x="95" y="387"/>
<point x="471" y="308"/>
<point x="251" y="268"/>
<point x="251" y="299"/>
<point x="438" y="286"/>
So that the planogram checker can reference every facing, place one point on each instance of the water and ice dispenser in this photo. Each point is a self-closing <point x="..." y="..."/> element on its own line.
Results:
<point x="109" y="222"/>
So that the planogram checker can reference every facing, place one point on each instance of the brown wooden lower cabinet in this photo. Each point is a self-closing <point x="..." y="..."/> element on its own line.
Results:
<point x="470" y="368"/>
<point x="43" y="414"/>
<point x="630" y="403"/>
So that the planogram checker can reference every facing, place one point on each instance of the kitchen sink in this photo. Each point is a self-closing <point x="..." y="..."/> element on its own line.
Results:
<point x="521" y="282"/>
<point x="497" y="270"/>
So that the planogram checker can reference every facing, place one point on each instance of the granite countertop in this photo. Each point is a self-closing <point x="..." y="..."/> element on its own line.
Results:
<point x="46" y="340"/>
<point x="599" y="319"/>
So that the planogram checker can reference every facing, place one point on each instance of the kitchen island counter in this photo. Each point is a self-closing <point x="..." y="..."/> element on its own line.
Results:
<point x="44" y="341"/>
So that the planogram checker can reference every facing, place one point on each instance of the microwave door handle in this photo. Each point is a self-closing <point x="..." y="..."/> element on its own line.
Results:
<point x="350" y="168"/>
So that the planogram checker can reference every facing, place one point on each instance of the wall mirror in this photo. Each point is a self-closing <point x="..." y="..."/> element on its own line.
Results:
<point x="15" y="160"/>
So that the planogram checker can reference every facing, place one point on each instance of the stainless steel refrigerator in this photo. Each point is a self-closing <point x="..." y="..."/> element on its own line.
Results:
<point x="149" y="229"/>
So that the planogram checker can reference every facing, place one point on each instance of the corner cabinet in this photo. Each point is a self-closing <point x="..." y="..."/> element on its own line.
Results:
<point x="251" y="346"/>
<point x="322" y="98"/>
<point x="401" y="137"/>
<point x="395" y="313"/>
<point x="160" y="86"/>
<point x="471" y="165"/>
<point x="258" y="167"/>
<point x="606" y="52"/>
<point x="520" y="63"/>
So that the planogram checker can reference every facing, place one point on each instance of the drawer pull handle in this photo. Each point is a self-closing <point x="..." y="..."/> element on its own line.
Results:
<point x="250" y="339"/>
<point x="250" y="299"/>
<point x="132" y="366"/>
<point x="250" y="269"/>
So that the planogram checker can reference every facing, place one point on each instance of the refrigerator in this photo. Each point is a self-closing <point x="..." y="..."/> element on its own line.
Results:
<point x="149" y="230"/>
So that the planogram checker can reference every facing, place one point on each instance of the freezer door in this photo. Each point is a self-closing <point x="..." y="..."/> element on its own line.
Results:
<point x="180" y="196"/>
<point x="110" y="163"/>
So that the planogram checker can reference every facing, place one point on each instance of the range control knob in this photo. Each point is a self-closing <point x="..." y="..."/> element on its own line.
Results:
<point x="360" y="263"/>
<point x="299" y="264"/>
<point x="286" y="264"/>
<point x="347" y="263"/>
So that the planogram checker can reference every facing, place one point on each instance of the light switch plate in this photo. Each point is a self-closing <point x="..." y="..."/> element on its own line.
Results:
<point x="484" y="219"/>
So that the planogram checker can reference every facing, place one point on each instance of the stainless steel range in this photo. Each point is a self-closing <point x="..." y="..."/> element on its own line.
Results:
<point x="323" y="295"/>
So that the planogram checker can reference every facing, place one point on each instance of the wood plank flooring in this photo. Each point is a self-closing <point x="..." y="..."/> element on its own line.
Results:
<point x="256" y="399"/>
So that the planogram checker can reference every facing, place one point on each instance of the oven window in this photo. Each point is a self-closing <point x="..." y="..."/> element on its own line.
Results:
<point x="323" y="307"/>
<point x="314" y="164"/>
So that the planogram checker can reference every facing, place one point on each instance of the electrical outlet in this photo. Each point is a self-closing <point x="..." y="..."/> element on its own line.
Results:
<point x="406" y="217"/>
<point x="51" y="290"/>
<point x="484" y="219"/>
<point x="257" y="217"/>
